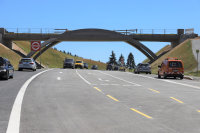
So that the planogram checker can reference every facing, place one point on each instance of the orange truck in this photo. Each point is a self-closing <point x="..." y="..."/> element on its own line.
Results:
<point x="171" y="67"/>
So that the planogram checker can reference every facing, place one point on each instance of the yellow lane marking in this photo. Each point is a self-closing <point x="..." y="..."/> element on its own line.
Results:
<point x="112" y="98"/>
<point x="98" y="89"/>
<point x="176" y="99"/>
<point x="198" y="111"/>
<point x="154" y="90"/>
<point x="147" y="116"/>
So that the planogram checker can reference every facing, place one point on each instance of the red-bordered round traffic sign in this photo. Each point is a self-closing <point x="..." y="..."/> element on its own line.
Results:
<point x="35" y="45"/>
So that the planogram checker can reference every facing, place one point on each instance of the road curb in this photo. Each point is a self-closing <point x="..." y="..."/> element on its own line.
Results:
<point x="187" y="77"/>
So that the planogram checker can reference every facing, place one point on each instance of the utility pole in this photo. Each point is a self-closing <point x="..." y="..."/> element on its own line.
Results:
<point x="197" y="51"/>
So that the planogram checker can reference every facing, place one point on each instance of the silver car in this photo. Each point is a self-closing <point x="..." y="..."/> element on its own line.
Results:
<point x="143" y="68"/>
<point x="27" y="63"/>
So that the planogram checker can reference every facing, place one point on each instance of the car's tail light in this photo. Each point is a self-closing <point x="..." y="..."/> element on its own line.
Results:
<point x="31" y="63"/>
<point x="20" y="62"/>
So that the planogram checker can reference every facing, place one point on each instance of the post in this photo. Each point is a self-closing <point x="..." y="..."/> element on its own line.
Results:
<point x="197" y="51"/>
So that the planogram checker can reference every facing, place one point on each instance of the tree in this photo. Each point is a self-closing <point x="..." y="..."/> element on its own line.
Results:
<point x="130" y="61"/>
<point x="112" y="59"/>
<point x="121" y="60"/>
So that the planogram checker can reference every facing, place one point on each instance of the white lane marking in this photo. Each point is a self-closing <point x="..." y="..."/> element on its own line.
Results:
<point x="105" y="84"/>
<point x="127" y="85"/>
<point x="83" y="78"/>
<point x="100" y="79"/>
<point x="14" y="121"/>
<point x="60" y="72"/>
<point x="103" y="80"/>
<point x="120" y="79"/>
<point x="58" y="78"/>
<point x="192" y="86"/>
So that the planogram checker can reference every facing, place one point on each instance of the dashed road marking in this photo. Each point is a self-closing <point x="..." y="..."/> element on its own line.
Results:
<point x="137" y="111"/>
<point x="169" y="81"/>
<point x="58" y="78"/>
<point x="60" y="72"/>
<point x="112" y="98"/>
<point x="98" y="89"/>
<point x="154" y="90"/>
<point x="177" y="100"/>
<point x="120" y="79"/>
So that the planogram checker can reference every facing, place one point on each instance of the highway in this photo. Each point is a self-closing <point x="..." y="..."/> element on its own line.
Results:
<point x="94" y="101"/>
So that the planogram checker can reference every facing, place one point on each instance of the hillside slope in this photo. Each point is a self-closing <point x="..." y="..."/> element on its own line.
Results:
<point x="183" y="52"/>
<point x="54" y="59"/>
<point x="161" y="51"/>
<point x="10" y="55"/>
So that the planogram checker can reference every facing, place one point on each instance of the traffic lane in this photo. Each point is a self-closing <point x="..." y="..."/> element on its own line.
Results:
<point x="69" y="104"/>
<point x="8" y="92"/>
<point x="183" y="81"/>
<point x="165" y="109"/>
<point x="98" y="78"/>
<point x="174" y="88"/>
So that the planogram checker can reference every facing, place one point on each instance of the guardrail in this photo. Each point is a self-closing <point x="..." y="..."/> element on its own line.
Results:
<point x="60" y="31"/>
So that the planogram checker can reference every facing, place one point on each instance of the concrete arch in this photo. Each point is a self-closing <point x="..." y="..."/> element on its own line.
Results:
<point x="99" y="35"/>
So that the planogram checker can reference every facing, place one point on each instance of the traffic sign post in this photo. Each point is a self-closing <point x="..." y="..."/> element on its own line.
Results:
<point x="35" y="45"/>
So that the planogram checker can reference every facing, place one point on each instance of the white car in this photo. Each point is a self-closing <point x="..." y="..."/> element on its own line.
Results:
<point x="27" y="63"/>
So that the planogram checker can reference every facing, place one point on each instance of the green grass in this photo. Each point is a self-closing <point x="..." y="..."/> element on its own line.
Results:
<point x="167" y="47"/>
<point x="182" y="52"/>
<point x="54" y="58"/>
<point x="193" y="74"/>
<point x="10" y="55"/>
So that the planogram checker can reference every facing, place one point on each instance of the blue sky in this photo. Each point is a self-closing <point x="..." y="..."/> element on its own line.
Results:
<point x="105" y="14"/>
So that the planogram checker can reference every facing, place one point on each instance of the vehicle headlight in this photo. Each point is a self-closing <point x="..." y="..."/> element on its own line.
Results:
<point x="3" y="70"/>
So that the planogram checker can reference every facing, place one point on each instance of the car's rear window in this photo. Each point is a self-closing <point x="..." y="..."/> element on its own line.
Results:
<point x="78" y="61"/>
<point x="2" y="62"/>
<point x="144" y="65"/>
<point x="69" y="60"/>
<point x="176" y="64"/>
<point x="26" y="60"/>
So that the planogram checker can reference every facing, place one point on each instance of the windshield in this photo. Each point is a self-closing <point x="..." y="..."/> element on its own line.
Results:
<point x="144" y="65"/>
<point x="176" y="64"/>
<point x="26" y="60"/>
<point x="69" y="60"/>
<point x="78" y="61"/>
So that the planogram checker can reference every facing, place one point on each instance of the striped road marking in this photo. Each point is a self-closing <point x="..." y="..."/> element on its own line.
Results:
<point x="176" y="100"/>
<point x="112" y="98"/>
<point x="98" y="89"/>
<point x="154" y="90"/>
<point x="135" y="110"/>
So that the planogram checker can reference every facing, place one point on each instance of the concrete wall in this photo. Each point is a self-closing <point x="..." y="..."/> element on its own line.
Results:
<point x="195" y="46"/>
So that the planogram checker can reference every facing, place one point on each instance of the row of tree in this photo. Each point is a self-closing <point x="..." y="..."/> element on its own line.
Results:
<point x="129" y="64"/>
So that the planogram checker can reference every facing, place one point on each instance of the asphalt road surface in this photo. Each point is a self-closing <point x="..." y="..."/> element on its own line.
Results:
<point x="90" y="101"/>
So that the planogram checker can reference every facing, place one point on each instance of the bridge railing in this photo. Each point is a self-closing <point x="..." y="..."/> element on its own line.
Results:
<point x="60" y="31"/>
<point x="35" y="30"/>
<point x="147" y="31"/>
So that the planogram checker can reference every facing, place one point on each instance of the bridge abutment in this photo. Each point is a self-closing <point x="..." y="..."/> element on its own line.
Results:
<point x="5" y="42"/>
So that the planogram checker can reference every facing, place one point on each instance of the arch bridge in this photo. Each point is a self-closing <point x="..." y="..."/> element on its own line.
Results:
<point x="51" y="39"/>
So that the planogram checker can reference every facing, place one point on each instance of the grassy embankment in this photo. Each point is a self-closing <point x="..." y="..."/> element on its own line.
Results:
<point x="54" y="58"/>
<point x="182" y="52"/>
<point x="10" y="55"/>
